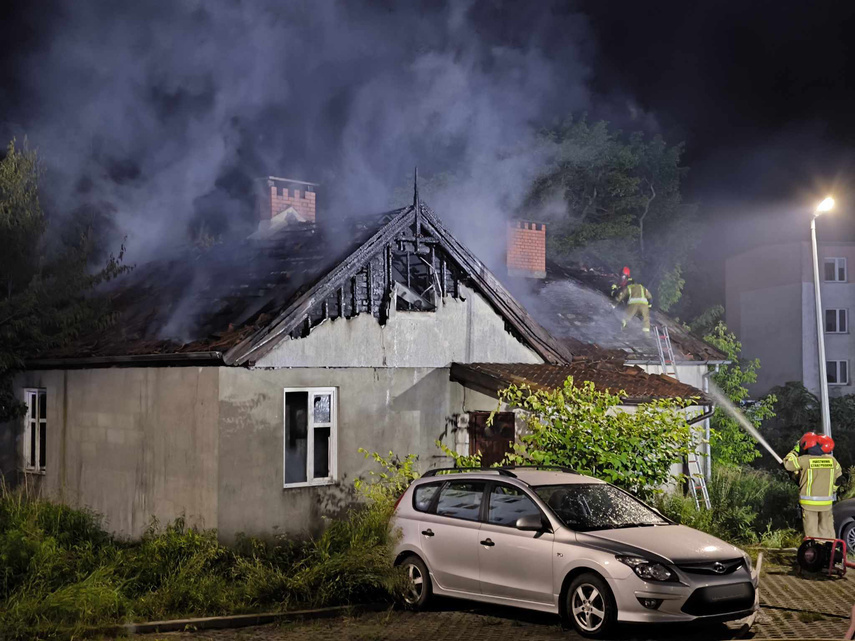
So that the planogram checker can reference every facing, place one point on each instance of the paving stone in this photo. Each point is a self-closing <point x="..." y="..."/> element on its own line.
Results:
<point x="793" y="607"/>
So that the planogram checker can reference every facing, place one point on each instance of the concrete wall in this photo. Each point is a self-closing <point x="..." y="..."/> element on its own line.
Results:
<point x="462" y="331"/>
<point x="758" y="269"/>
<point x="379" y="409"/>
<point x="9" y="452"/>
<point x="207" y="443"/>
<point x="132" y="444"/>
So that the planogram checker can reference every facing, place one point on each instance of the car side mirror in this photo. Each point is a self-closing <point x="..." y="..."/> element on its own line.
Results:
<point x="532" y="523"/>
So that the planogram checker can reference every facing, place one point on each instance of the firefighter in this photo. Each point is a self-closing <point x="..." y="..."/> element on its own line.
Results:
<point x="817" y="471"/>
<point x="625" y="279"/>
<point x="637" y="303"/>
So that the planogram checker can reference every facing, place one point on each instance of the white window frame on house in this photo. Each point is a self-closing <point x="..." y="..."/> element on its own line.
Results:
<point x="310" y="445"/>
<point x="840" y="321"/>
<point x="34" y="423"/>
<point x="838" y="369"/>
<point x="839" y="265"/>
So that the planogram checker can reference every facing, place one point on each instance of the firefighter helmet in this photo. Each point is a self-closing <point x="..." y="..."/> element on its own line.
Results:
<point x="826" y="443"/>
<point x="808" y="441"/>
<point x="626" y="271"/>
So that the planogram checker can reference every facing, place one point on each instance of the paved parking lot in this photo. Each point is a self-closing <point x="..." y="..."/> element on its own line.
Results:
<point x="793" y="607"/>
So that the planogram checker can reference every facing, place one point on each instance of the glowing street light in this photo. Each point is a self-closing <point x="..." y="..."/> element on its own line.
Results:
<point x="824" y="206"/>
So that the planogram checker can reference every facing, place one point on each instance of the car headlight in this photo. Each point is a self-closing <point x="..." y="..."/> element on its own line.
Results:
<point x="647" y="570"/>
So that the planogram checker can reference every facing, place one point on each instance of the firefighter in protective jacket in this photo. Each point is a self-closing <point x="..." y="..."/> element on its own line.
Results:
<point x="637" y="303"/>
<point x="817" y="472"/>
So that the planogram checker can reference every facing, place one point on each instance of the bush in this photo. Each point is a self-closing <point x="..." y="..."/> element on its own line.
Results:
<point x="748" y="506"/>
<point x="61" y="573"/>
<point x="584" y="429"/>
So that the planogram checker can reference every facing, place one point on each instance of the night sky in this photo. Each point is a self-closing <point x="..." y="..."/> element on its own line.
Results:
<point x="761" y="92"/>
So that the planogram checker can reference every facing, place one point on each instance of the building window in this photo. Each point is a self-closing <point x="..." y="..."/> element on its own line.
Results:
<point x="836" y="321"/>
<point x="835" y="270"/>
<point x="311" y="418"/>
<point x="35" y="430"/>
<point x="837" y="372"/>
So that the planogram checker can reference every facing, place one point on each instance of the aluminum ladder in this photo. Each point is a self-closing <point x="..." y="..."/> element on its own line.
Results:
<point x="666" y="352"/>
<point x="697" y="482"/>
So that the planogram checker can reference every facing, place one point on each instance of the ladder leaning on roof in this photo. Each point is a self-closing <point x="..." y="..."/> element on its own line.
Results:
<point x="666" y="352"/>
<point x="697" y="482"/>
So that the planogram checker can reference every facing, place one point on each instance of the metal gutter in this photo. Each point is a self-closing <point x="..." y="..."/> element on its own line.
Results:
<point x="703" y="416"/>
<point x="133" y="360"/>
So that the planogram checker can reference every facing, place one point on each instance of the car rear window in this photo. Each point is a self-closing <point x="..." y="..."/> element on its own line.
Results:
<point x="423" y="495"/>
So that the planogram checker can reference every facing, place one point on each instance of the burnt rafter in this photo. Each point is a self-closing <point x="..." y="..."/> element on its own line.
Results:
<point x="412" y="262"/>
<point x="405" y="276"/>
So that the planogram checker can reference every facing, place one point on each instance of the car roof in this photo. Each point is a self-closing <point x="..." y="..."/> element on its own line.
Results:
<point x="529" y="476"/>
<point x="550" y="477"/>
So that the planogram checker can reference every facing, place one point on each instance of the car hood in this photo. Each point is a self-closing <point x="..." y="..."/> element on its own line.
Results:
<point x="674" y="543"/>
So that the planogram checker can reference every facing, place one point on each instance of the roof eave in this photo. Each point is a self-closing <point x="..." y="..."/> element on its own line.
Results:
<point x="133" y="360"/>
<point x="656" y="361"/>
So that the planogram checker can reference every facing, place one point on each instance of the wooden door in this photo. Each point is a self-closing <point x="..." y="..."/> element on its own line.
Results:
<point x="493" y="441"/>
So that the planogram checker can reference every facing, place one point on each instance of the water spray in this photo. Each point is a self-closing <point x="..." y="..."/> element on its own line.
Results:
<point x="740" y="418"/>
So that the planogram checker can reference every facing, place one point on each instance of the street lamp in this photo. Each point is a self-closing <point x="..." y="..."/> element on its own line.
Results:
<point x="824" y="206"/>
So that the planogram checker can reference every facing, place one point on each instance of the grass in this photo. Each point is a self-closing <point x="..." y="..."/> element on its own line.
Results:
<point x="61" y="572"/>
<point x="749" y="507"/>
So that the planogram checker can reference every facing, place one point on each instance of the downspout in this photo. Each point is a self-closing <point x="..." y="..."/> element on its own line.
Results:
<point x="707" y="451"/>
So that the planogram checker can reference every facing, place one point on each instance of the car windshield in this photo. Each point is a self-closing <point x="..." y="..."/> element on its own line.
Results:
<point x="585" y="507"/>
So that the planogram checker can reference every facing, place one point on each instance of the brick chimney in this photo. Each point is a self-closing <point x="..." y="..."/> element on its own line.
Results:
<point x="526" y="249"/>
<point x="283" y="201"/>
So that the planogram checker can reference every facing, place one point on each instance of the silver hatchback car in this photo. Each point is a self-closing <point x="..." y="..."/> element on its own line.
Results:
<point x="561" y="542"/>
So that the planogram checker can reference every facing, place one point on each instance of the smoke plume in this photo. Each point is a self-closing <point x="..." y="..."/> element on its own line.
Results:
<point x="169" y="109"/>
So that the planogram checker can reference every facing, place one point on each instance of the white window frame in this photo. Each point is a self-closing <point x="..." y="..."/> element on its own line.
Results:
<point x="34" y="420"/>
<point x="837" y="371"/>
<point x="310" y="445"/>
<point x="839" y="313"/>
<point x="838" y="263"/>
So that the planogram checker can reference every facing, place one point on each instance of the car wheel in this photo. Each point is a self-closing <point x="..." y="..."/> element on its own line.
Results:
<point x="590" y="606"/>
<point x="418" y="592"/>
<point x="847" y="533"/>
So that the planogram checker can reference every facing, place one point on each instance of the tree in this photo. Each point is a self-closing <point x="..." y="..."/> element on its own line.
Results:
<point x="620" y="202"/>
<point x="730" y="444"/>
<point x="797" y="411"/>
<point x="47" y="296"/>
<point x="579" y="427"/>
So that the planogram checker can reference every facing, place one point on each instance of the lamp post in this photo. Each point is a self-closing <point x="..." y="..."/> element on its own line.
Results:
<point x="824" y="206"/>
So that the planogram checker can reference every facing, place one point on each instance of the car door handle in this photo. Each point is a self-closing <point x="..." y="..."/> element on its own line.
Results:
<point x="427" y="532"/>
<point x="488" y="543"/>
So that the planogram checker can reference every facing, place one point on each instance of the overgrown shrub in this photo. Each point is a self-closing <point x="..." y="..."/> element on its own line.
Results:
<point x="60" y="572"/>
<point x="582" y="428"/>
<point x="747" y="506"/>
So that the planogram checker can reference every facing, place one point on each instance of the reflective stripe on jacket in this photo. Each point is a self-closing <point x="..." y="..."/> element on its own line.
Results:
<point x="817" y="477"/>
<point x="638" y="295"/>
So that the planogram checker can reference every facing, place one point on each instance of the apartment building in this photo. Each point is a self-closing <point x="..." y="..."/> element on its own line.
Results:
<point x="770" y="306"/>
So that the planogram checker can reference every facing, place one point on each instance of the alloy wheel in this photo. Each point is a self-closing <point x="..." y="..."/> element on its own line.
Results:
<point x="588" y="607"/>
<point x="850" y="541"/>
<point x="417" y="583"/>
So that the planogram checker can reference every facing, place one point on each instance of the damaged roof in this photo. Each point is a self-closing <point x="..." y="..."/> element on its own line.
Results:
<point x="574" y="305"/>
<point x="633" y="383"/>
<point x="217" y="297"/>
<point x="233" y="303"/>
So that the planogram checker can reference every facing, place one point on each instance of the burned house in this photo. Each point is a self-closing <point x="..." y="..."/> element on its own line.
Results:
<point x="238" y="392"/>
